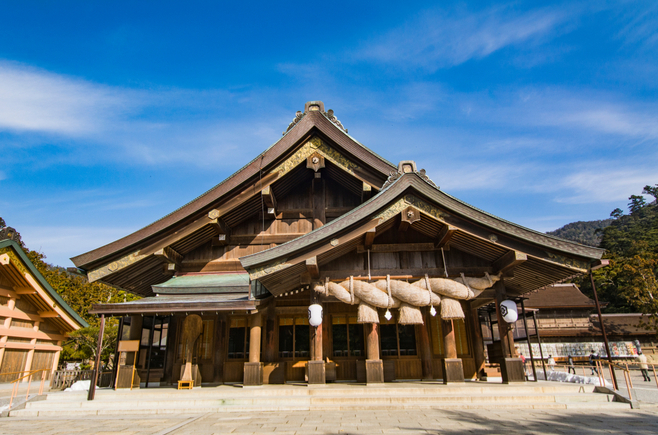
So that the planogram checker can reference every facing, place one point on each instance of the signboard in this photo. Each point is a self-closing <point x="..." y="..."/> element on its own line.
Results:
<point x="128" y="346"/>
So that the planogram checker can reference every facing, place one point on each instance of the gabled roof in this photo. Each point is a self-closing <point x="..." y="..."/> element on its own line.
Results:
<point x="202" y="283"/>
<point x="550" y="259"/>
<point x="559" y="296"/>
<point x="24" y="266"/>
<point x="376" y="169"/>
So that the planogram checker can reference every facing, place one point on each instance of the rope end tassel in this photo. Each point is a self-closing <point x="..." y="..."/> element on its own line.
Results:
<point x="429" y="291"/>
<point x="388" y="314"/>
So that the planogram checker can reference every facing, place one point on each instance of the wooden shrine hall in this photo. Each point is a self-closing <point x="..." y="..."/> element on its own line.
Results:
<point x="320" y="261"/>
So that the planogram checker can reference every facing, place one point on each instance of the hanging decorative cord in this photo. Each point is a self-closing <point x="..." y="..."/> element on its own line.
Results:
<point x="445" y="267"/>
<point x="429" y="291"/>
<point x="369" y="277"/>
<point x="491" y="281"/>
<point x="465" y="281"/>
<point x="351" y="290"/>
<point x="388" y="314"/>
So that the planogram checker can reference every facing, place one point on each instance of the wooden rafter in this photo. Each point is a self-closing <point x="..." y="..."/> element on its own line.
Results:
<point x="269" y="200"/>
<point x="509" y="261"/>
<point x="444" y="236"/>
<point x="24" y="290"/>
<point x="170" y="255"/>
<point x="407" y="217"/>
<point x="312" y="267"/>
<point x="369" y="238"/>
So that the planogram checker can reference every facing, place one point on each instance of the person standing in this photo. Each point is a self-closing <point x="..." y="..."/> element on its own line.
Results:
<point x="643" y="365"/>
<point x="570" y="363"/>
<point x="592" y="363"/>
<point x="551" y="362"/>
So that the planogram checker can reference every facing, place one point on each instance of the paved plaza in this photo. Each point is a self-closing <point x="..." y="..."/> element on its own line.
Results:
<point x="486" y="421"/>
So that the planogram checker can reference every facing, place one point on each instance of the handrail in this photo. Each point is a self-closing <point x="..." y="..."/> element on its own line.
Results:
<point x="29" y="374"/>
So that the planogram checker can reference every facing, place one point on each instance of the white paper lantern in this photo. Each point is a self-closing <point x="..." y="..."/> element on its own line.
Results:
<point x="509" y="311"/>
<point x="315" y="315"/>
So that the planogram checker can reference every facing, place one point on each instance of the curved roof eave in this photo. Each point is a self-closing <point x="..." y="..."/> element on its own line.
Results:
<point x="424" y="188"/>
<point x="265" y="159"/>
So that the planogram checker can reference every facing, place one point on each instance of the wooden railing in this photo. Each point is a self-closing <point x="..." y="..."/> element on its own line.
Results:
<point x="29" y="375"/>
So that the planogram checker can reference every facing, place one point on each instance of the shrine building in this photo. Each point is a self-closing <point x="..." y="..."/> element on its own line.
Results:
<point x="321" y="261"/>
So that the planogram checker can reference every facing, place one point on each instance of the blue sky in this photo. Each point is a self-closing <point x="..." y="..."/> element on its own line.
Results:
<point x="114" y="114"/>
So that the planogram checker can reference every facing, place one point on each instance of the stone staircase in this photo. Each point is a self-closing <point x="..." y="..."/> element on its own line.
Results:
<point x="333" y="397"/>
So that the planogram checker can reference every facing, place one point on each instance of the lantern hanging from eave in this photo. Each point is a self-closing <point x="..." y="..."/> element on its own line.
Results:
<point x="508" y="311"/>
<point x="315" y="315"/>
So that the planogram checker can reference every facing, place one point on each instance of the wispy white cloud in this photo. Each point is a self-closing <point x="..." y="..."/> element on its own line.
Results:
<point x="605" y="183"/>
<point x="607" y="113"/>
<point x="480" y="175"/>
<point x="140" y="126"/>
<point x="438" y="39"/>
<point x="39" y="101"/>
<point x="639" y="23"/>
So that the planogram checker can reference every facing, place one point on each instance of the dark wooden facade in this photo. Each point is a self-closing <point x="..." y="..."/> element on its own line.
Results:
<point x="319" y="206"/>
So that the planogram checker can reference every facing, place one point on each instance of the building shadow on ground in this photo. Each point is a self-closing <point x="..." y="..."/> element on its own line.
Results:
<point x="545" y="422"/>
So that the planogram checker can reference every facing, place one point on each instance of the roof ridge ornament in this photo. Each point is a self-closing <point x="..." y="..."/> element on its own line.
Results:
<point x="315" y="106"/>
<point x="407" y="167"/>
<point x="331" y="117"/>
<point x="298" y="117"/>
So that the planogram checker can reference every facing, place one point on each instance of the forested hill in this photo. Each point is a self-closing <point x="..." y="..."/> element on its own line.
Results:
<point x="583" y="232"/>
<point x="630" y="282"/>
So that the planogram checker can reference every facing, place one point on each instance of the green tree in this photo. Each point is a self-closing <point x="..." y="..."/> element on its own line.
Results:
<point x="629" y="283"/>
<point x="637" y="202"/>
<point x="83" y="344"/>
<point x="653" y="191"/>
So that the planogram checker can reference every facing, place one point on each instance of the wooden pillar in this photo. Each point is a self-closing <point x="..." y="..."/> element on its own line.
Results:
<point x="316" y="367"/>
<point x="374" y="365"/>
<point x="449" y="343"/>
<point x="327" y="345"/>
<point x="511" y="368"/>
<point x="253" y="370"/>
<point x="55" y="362"/>
<point x="28" y="361"/>
<point x="254" y="338"/>
<point x="10" y="304"/>
<point x="218" y="354"/>
<point x="478" y="343"/>
<point x="372" y="341"/>
<point x="316" y="331"/>
<point x="135" y="334"/>
<point x="453" y="368"/>
<point x="99" y="347"/>
<point x="503" y="326"/>
<point x="425" y="347"/>
<point x="170" y="354"/>
<point x="30" y="353"/>
<point x="269" y="351"/>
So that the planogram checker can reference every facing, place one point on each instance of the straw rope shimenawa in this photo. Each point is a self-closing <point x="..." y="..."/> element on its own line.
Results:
<point x="408" y="297"/>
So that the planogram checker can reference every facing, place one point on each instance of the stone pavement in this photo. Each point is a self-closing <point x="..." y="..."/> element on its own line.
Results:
<point x="642" y="421"/>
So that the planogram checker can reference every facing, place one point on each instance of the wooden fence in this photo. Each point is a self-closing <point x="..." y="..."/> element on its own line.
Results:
<point x="63" y="379"/>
